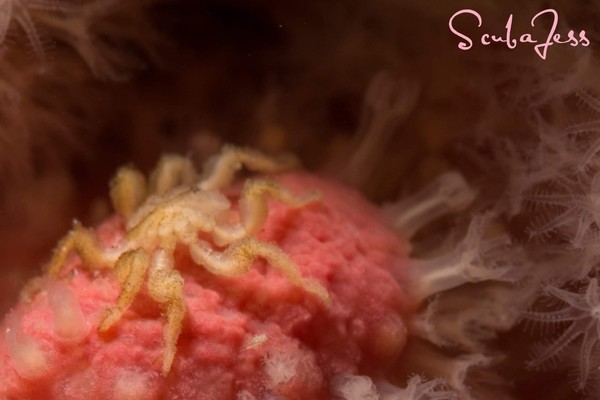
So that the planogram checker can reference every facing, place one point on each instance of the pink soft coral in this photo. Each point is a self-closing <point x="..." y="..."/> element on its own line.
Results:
<point x="248" y="336"/>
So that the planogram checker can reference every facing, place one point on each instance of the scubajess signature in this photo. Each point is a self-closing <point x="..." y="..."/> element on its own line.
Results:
<point x="541" y="43"/>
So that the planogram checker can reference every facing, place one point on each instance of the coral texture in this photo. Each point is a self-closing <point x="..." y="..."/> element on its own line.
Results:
<point x="249" y="337"/>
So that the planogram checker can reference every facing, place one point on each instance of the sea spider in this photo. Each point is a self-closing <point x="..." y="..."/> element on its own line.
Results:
<point x="175" y="212"/>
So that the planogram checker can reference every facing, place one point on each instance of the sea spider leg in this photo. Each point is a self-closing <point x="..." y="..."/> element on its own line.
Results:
<point x="254" y="208"/>
<point x="220" y="170"/>
<point x="172" y="170"/>
<point x="165" y="285"/>
<point x="85" y="244"/>
<point x="128" y="191"/>
<point x="253" y="202"/>
<point x="130" y="271"/>
<point x="238" y="257"/>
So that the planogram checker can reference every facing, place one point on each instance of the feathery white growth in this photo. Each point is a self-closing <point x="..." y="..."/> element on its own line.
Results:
<point x="572" y="207"/>
<point x="558" y="85"/>
<point x="469" y="375"/>
<point x="353" y="387"/>
<point x="587" y="133"/>
<point x="27" y="355"/>
<point x="76" y="24"/>
<point x="19" y="10"/>
<point x="69" y="322"/>
<point x="417" y="388"/>
<point x="280" y="367"/>
<point x="533" y="166"/>
<point x="453" y="319"/>
<point x="462" y="367"/>
<point x="356" y="387"/>
<point x="132" y="385"/>
<point x="582" y="311"/>
<point x="475" y="259"/>
<point x="447" y="194"/>
<point x="555" y="152"/>
<point x="562" y="179"/>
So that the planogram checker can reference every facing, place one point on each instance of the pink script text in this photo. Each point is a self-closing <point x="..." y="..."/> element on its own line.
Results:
<point x="541" y="45"/>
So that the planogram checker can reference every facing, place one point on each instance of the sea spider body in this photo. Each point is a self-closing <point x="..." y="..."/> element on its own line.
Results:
<point x="178" y="210"/>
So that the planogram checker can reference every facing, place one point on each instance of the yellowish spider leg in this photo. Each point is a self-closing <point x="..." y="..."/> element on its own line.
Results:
<point x="85" y="244"/>
<point x="254" y="209"/>
<point x="220" y="170"/>
<point x="165" y="285"/>
<point x="172" y="170"/>
<point x="127" y="191"/>
<point x="238" y="258"/>
<point x="130" y="271"/>
<point x="253" y="202"/>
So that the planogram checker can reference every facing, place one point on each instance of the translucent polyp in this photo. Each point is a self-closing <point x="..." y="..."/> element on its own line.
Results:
<point x="449" y="193"/>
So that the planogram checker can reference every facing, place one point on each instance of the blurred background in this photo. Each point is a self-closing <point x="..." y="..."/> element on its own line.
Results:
<point x="375" y="94"/>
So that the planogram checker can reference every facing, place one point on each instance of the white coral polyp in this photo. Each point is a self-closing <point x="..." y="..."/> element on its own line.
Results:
<point x="582" y="311"/>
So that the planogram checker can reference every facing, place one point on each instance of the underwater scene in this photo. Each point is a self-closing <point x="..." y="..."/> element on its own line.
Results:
<point x="330" y="200"/>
